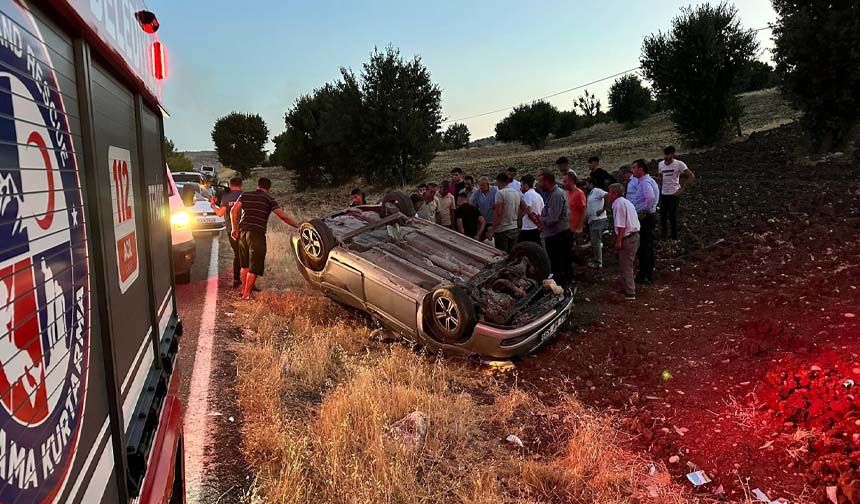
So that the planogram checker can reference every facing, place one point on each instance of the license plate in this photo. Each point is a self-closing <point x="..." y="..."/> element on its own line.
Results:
<point x="556" y="325"/>
<point x="207" y="220"/>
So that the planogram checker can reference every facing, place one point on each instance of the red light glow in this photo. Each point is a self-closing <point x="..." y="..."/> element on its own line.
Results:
<point x="159" y="60"/>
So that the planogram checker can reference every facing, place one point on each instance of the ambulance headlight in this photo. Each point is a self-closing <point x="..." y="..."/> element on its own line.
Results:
<point x="180" y="219"/>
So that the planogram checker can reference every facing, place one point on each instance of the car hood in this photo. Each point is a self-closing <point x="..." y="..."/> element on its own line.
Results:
<point x="200" y="206"/>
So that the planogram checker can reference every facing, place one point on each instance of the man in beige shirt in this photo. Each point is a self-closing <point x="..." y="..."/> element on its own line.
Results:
<point x="445" y="205"/>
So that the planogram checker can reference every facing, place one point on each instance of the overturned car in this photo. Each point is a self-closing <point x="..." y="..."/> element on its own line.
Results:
<point x="430" y="283"/>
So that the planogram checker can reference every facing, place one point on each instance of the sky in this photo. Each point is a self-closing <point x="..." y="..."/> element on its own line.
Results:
<point x="259" y="56"/>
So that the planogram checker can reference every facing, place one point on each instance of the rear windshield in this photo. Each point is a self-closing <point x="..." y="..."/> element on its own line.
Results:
<point x="186" y="177"/>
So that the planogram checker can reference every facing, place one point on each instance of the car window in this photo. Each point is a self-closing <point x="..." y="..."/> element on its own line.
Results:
<point x="186" y="177"/>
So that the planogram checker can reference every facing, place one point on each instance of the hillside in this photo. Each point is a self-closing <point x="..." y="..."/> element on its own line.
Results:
<point x="765" y="110"/>
<point x="612" y="142"/>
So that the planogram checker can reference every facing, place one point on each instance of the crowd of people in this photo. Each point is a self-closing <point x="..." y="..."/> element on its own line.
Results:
<point x="556" y="208"/>
<point x="565" y="213"/>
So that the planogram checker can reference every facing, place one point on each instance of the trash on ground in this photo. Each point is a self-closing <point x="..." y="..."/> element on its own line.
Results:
<point x="831" y="494"/>
<point x="674" y="459"/>
<point x="762" y="497"/>
<point x="515" y="440"/>
<point x="502" y="366"/>
<point x="698" y="478"/>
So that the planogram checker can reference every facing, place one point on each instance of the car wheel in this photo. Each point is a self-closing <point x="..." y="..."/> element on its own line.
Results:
<point x="399" y="200"/>
<point x="538" y="266"/>
<point x="451" y="314"/>
<point x="183" y="278"/>
<point x="315" y="243"/>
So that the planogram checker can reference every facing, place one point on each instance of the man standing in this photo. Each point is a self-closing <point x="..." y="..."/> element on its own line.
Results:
<point x="468" y="218"/>
<point x="513" y="183"/>
<point x="428" y="209"/>
<point x="532" y="208"/>
<point x="597" y="222"/>
<point x="445" y="205"/>
<point x="468" y="186"/>
<point x="484" y="199"/>
<point x="576" y="201"/>
<point x="555" y="230"/>
<point x="642" y="191"/>
<point x="254" y="208"/>
<point x="457" y="183"/>
<point x="674" y="175"/>
<point x="626" y="237"/>
<point x="563" y="167"/>
<point x="601" y="178"/>
<point x="228" y="199"/>
<point x="505" y="211"/>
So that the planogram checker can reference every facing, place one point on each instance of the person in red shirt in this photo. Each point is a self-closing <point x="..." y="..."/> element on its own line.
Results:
<point x="576" y="202"/>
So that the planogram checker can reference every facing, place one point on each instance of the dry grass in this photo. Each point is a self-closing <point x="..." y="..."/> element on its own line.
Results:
<point x="318" y="405"/>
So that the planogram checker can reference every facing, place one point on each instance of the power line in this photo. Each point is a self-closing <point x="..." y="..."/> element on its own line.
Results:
<point x="482" y="114"/>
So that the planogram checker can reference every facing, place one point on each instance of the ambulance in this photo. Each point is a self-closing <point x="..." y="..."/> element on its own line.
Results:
<point x="89" y="331"/>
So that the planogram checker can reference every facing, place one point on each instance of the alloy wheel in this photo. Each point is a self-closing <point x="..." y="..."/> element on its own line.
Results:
<point x="446" y="313"/>
<point x="311" y="242"/>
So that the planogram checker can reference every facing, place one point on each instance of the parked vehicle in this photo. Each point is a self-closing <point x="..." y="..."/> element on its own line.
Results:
<point x="431" y="283"/>
<point x="202" y="217"/>
<point x="89" y="330"/>
<point x="208" y="171"/>
<point x="189" y="176"/>
<point x="184" y="247"/>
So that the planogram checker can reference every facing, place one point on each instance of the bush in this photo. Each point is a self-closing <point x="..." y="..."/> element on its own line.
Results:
<point x="695" y="66"/>
<point x="239" y="140"/>
<point x="568" y="122"/>
<point x="818" y="63"/>
<point x="176" y="161"/>
<point x="529" y="124"/>
<point x="456" y="136"/>
<point x="629" y="101"/>
<point x="755" y="76"/>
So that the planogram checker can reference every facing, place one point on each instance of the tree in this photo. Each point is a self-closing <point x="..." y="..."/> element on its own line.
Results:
<point x="529" y="124"/>
<point x="588" y="104"/>
<point x="568" y="122"/>
<point x="756" y="75"/>
<point x="694" y="67"/>
<point x="177" y="161"/>
<point x="400" y="113"/>
<point x="239" y="141"/>
<point x="318" y="143"/>
<point x="456" y="136"/>
<point x="629" y="101"/>
<point x="818" y="63"/>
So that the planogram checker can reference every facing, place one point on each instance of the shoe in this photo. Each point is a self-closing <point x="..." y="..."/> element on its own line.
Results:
<point x="630" y="297"/>
<point x="256" y="289"/>
<point x="594" y="265"/>
<point x="237" y="283"/>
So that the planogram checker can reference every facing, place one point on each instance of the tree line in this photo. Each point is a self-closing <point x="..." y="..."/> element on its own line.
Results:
<point x="384" y="123"/>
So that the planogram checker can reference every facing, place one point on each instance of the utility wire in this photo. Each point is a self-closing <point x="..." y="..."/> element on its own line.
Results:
<point x="482" y="114"/>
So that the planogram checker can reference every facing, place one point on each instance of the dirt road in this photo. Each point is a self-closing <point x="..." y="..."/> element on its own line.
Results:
<point x="215" y="469"/>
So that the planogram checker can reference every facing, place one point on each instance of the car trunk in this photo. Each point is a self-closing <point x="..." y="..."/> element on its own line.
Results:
<point x="429" y="255"/>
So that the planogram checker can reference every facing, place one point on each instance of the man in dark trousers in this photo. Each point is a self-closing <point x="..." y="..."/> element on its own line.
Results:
<point x="555" y="230"/>
<point x="228" y="199"/>
<point x="674" y="177"/>
<point x="643" y="192"/>
<point x="598" y="175"/>
<point x="254" y="208"/>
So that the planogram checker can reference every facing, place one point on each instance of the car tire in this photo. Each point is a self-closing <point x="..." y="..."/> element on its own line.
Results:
<point x="316" y="241"/>
<point x="539" y="266"/>
<point x="183" y="278"/>
<point x="401" y="200"/>
<point x="451" y="314"/>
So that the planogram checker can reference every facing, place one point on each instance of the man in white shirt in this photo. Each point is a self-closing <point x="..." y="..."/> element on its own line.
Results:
<point x="674" y="175"/>
<point x="532" y="206"/>
<point x="595" y="211"/>
<point x="626" y="237"/>
<point x="513" y="183"/>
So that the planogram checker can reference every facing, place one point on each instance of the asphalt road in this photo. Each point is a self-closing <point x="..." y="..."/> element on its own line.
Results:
<point x="215" y="469"/>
